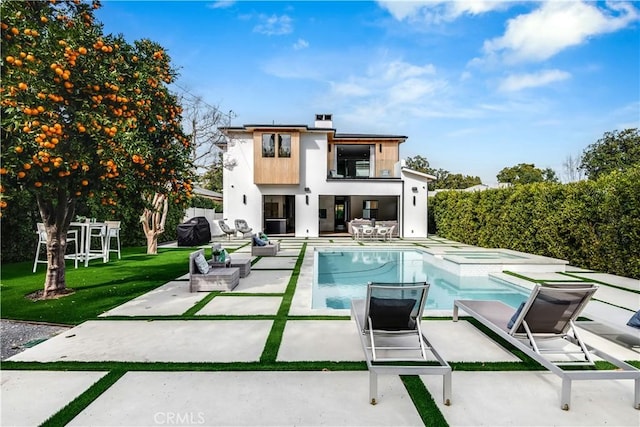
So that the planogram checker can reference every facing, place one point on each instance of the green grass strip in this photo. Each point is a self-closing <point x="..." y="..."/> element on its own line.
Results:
<point x="270" y="352"/>
<point x="200" y="304"/>
<point x="423" y="401"/>
<point x="80" y="403"/>
<point x="587" y="279"/>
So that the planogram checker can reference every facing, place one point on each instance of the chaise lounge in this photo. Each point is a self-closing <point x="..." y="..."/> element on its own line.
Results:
<point x="389" y="322"/>
<point x="544" y="329"/>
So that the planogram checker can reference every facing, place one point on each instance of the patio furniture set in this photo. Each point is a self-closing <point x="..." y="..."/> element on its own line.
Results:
<point x="223" y="272"/>
<point x="83" y="234"/>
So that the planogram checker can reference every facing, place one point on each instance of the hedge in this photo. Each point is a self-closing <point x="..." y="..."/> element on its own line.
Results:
<point x="592" y="224"/>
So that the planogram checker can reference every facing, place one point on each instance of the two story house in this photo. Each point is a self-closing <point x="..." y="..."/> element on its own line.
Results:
<point x="311" y="180"/>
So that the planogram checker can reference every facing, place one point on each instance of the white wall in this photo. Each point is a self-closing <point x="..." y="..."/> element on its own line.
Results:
<point x="238" y="182"/>
<point x="415" y="216"/>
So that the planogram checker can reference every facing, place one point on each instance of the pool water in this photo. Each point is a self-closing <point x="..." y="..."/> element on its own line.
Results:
<point x="340" y="275"/>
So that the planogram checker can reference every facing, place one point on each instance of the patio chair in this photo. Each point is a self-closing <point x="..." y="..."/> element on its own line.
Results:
<point x="113" y="232"/>
<point x="390" y="231"/>
<point x="381" y="232"/>
<point x="72" y="236"/>
<point x="368" y="232"/>
<point x="543" y="328"/>
<point x="243" y="227"/>
<point x="226" y="229"/>
<point x="389" y="321"/>
<point x="357" y="233"/>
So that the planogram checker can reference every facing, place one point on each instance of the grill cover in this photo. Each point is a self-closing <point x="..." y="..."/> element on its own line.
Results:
<point x="194" y="232"/>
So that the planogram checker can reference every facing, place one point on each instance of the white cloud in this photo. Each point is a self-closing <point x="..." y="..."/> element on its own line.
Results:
<point x="221" y="4"/>
<point x="388" y="93"/>
<point x="348" y="89"/>
<point x="301" y="44"/>
<point x="555" y="26"/>
<point x="434" y="11"/>
<point x="274" y="25"/>
<point x="516" y="82"/>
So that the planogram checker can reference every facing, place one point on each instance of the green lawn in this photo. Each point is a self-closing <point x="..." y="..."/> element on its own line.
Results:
<point x="98" y="287"/>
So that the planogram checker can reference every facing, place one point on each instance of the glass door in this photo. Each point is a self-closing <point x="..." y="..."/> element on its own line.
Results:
<point x="341" y="213"/>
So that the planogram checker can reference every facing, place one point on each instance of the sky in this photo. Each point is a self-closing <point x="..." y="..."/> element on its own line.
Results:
<point x="476" y="86"/>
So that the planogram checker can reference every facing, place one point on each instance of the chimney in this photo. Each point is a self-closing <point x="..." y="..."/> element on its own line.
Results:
<point x="324" y="121"/>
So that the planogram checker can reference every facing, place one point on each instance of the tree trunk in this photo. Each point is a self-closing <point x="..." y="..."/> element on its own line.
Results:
<point x="153" y="220"/>
<point x="56" y="217"/>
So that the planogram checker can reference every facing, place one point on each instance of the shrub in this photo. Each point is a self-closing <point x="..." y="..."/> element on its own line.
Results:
<point x="592" y="224"/>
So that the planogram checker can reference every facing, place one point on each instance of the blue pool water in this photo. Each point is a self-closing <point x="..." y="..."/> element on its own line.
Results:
<point x="340" y="275"/>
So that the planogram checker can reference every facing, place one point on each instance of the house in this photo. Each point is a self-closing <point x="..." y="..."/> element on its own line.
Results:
<point x="311" y="180"/>
<point x="207" y="194"/>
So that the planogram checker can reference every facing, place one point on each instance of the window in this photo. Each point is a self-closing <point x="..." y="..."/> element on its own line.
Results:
<point x="268" y="145"/>
<point x="284" y="145"/>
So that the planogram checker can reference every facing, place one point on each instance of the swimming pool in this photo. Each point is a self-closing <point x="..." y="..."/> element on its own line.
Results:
<point x="340" y="275"/>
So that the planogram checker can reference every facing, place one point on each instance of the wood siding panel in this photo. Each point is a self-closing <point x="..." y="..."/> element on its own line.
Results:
<point x="386" y="159"/>
<point x="276" y="170"/>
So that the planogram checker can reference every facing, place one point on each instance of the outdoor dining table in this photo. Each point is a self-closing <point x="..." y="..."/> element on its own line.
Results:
<point x="85" y="253"/>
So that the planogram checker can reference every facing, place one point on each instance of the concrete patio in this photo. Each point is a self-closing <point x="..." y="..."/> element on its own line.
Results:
<point x="235" y="327"/>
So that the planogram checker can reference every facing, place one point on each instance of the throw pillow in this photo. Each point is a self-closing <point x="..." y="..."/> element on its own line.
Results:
<point x="201" y="263"/>
<point x="635" y="320"/>
<point x="391" y="314"/>
<point x="258" y="241"/>
<point x="515" y="316"/>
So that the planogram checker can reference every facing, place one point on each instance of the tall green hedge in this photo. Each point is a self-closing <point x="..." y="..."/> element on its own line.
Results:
<point x="592" y="224"/>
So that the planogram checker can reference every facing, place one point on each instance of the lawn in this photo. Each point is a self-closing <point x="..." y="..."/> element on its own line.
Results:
<point x="98" y="288"/>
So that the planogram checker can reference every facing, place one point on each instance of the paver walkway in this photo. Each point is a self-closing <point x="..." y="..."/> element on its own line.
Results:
<point x="240" y="361"/>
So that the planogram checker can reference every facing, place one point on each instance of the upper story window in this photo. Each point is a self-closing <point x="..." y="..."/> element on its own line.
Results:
<point x="269" y="145"/>
<point x="284" y="145"/>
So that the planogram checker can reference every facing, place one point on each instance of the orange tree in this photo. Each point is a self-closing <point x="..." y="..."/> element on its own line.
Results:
<point x="84" y="115"/>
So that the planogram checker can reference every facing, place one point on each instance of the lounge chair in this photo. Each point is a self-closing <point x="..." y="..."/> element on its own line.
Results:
<point x="543" y="328"/>
<point x="261" y="247"/>
<point x="243" y="227"/>
<point x="611" y="322"/>
<point x="226" y="229"/>
<point x="390" y="327"/>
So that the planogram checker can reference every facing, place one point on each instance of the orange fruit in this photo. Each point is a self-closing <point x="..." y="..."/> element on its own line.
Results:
<point x="19" y="149"/>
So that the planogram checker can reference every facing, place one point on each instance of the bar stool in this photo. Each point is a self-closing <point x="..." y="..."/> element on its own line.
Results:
<point x="113" y="232"/>
<point x="72" y="236"/>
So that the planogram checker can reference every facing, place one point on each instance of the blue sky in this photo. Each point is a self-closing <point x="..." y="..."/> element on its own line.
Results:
<point x="476" y="85"/>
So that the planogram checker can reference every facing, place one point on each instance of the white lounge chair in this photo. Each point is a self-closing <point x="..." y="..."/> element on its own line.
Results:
<point x="543" y="328"/>
<point x="390" y="324"/>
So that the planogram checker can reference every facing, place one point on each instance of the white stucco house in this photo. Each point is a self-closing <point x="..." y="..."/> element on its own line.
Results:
<point x="312" y="180"/>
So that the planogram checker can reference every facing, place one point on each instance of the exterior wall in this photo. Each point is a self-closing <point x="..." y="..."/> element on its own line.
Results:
<point x="238" y="182"/>
<point x="414" y="217"/>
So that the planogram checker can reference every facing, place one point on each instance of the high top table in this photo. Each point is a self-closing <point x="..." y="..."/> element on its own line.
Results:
<point x="85" y="252"/>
